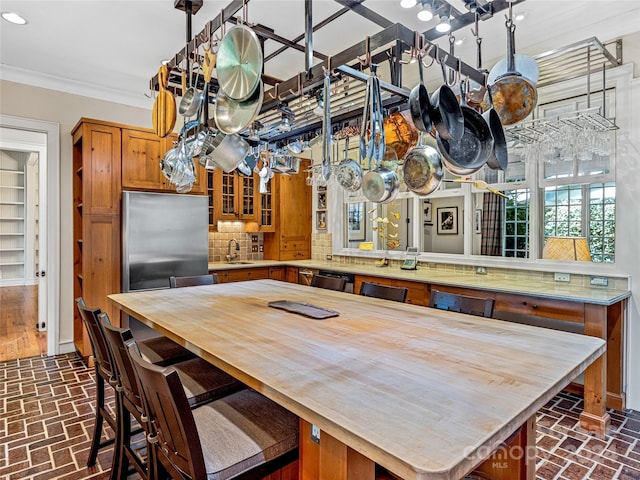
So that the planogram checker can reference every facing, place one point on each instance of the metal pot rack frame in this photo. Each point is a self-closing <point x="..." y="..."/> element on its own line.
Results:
<point x="566" y="63"/>
<point x="297" y="94"/>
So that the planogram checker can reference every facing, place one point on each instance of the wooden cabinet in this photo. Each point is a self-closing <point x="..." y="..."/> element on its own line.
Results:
<point x="235" y="196"/>
<point x="141" y="154"/>
<point x="96" y="222"/>
<point x="108" y="157"/>
<point x="242" y="274"/>
<point x="277" y="273"/>
<point x="291" y="238"/>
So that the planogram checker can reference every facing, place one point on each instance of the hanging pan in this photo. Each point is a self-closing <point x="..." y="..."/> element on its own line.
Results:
<point x="514" y="95"/>
<point x="474" y="148"/>
<point x="240" y="61"/>
<point x="419" y="104"/>
<point x="499" y="156"/>
<point x="422" y="169"/>
<point x="445" y="110"/>
<point x="349" y="172"/>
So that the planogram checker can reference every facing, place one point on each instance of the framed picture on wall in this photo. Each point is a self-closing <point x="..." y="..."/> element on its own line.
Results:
<point x="447" y="219"/>
<point x="321" y="220"/>
<point x="356" y="221"/>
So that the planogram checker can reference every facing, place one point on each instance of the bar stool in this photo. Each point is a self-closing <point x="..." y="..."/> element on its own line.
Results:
<point x="105" y="374"/>
<point x="330" y="283"/>
<point x="396" y="294"/>
<point x="241" y="436"/>
<point x="482" y="307"/>
<point x="193" y="281"/>
<point x="202" y="383"/>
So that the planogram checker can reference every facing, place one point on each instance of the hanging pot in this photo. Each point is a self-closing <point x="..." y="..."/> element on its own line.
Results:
<point x="419" y="104"/>
<point x="474" y="148"/>
<point x="228" y="151"/>
<point x="400" y="133"/>
<point x="514" y="96"/>
<point x="422" y="169"/>
<point x="349" y="172"/>
<point x="380" y="185"/>
<point x="445" y="111"/>
<point x="240" y="61"/>
<point x="232" y="116"/>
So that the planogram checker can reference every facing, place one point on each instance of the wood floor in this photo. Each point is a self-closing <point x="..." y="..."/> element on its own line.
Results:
<point x="19" y="336"/>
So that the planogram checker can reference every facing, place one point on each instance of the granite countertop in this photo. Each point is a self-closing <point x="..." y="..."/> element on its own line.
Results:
<point x="554" y="290"/>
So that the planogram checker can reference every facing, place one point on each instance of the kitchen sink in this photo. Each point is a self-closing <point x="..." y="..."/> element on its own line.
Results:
<point x="240" y="262"/>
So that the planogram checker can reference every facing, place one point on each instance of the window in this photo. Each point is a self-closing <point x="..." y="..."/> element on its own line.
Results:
<point x="516" y="224"/>
<point x="583" y="211"/>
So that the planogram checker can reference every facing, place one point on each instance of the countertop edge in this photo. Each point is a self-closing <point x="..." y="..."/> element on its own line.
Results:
<point x="611" y="296"/>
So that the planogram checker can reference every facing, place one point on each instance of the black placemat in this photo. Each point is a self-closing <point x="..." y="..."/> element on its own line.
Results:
<point x="304" y="308"/>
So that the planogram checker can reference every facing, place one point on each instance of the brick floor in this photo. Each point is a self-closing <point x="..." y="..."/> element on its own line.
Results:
<point x="46" y="420"/>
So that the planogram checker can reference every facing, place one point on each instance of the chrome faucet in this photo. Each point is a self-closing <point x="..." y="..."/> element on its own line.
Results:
<point x="235" y="255"/>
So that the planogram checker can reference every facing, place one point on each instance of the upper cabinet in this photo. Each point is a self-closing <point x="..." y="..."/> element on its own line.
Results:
<point x="233" y="196"/>
<point x="100" y="167"/>
<point x="141" y="154"/>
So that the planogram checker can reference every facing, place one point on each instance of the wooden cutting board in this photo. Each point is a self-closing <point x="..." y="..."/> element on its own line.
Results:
<point x="164" y="108"/>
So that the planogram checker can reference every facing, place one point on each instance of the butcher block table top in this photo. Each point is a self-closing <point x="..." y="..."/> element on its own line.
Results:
<point x="426" y="393"/>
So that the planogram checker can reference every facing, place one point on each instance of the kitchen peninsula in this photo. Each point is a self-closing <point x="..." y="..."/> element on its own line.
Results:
<point x="426" y="394"/>
<point x="595" y="311"/>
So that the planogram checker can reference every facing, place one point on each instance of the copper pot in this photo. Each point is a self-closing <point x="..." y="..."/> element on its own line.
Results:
<point x="400" y="133"/>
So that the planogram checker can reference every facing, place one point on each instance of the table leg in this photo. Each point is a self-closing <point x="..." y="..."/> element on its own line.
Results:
<point x="595" y="418"/>
<point x="331" y="459"/>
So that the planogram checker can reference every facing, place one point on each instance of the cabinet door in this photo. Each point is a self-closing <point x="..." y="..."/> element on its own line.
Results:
<point x="266" y="210"/>
<point x="141" y="154"/>
<point x="234" y="196"/>
<point x="101" y="169"/>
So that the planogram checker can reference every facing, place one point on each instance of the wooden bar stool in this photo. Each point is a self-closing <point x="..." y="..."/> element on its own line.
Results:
<point x="193" y="281"/>
<point x="202" y="383"/>
<point x="241" y="436"/>
<point x="330" y="283"/>
<point x="386" y="292"/>
<point x="482" y="307"/>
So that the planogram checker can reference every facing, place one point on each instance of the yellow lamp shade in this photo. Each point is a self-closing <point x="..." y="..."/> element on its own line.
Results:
<point x="567" y="248"/>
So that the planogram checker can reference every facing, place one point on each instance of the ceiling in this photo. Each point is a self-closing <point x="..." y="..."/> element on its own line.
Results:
<point x="109" y="49"/>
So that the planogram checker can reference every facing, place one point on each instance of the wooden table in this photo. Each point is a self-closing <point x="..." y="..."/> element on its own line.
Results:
<point x="425" y="393"/>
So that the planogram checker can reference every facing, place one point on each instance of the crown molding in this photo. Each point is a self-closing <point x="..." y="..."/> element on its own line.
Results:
<point x="74" y="87"/>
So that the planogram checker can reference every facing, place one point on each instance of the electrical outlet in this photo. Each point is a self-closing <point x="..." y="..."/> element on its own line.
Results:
<point x="600" y="281"/>
<point x="481" y="270"/>
<point x="254" y="238"/>
<point x="254" y="248"/>
<point x="261" y="248"/>
<point x="329" y="257"/>
<point x="315" y="433"/>
<point x="562" y="277"/>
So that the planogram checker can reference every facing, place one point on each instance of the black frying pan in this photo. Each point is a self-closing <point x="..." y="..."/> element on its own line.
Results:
<point x="474" y="148"/>
<point x="419" y="104"/>
<point x="446" y="114"/>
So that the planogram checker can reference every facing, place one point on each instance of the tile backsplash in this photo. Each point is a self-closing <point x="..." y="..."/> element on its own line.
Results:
<point x="250" y="242"/>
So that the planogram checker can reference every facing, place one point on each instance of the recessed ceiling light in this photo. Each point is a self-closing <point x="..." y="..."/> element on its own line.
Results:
<point x="520" y="16"/>
<point x="408" y="3"/>
<point x="444" y="26"/>
<point x="459" y="41"/>
<point x="425" y="14"/>
<point x="14" y="18"/>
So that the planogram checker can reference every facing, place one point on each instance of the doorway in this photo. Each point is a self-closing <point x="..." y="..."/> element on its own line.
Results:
<point x="29" y="229"/>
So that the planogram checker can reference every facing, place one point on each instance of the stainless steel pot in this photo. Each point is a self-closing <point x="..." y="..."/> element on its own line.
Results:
<point x="380" y="185"/>
<point x="422" y="170"/>
<point x="349" y="172"/>
<point x="228" y="151"/>
<point x="232" y="116"/>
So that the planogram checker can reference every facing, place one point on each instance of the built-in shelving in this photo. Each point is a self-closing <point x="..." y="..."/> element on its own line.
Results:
<point x="13" y="213"/>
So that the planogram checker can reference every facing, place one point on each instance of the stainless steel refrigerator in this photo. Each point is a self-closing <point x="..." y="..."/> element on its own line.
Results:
<point x="163" y="235"/>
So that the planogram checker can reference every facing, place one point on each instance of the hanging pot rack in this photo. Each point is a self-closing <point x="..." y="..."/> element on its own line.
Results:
<point x="386" y="45"/>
